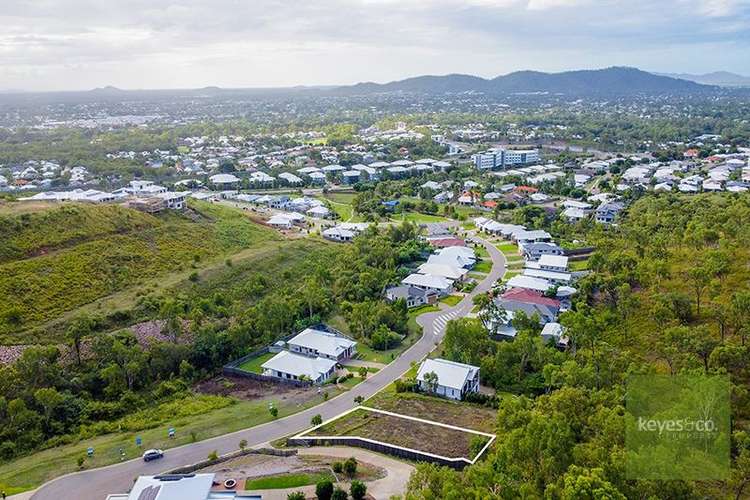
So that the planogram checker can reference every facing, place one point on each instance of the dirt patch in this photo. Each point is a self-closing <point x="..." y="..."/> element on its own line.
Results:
<point x="460" y="414"/>
<point x="249" y="389"/>
<point x="402" y="432"/>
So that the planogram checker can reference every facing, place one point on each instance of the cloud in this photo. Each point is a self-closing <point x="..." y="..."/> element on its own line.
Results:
<point x="171" y="43"/>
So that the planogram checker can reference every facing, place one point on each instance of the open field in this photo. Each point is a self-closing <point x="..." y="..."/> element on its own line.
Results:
<point x="74" y="255"/>
<point x="460" y="414"/>
<point x="195" y="418"/>
<point x="254" y="365"/>
<point x="403" y="432"/>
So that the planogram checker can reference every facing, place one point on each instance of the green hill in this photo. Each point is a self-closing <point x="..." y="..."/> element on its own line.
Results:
<point x="57" y="260"/>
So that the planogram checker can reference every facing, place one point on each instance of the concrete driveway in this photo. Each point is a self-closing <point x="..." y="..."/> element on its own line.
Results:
<point x="118" y="478"/>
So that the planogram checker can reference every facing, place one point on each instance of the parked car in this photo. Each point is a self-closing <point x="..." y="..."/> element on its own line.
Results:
<point x="154" y="454"/>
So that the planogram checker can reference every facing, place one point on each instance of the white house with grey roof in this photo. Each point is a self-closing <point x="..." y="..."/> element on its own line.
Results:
<point x="437" y="284"/>
<point x="288" y="365"/>
<point x="454" y="380"/>
<point x="313" y="342"/>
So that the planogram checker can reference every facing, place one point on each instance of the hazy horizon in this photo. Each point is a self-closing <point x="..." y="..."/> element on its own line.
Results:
<point x="162" y="44"/>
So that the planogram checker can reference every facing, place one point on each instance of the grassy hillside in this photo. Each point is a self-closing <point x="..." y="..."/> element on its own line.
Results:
<point x="57" y="260"/>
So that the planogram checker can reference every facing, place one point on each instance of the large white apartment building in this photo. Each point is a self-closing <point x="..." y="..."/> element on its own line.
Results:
<point x="502" y="158"/>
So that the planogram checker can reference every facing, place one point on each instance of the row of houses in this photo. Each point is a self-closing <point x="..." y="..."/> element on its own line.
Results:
<point x="445" y="268"/>
<point x="137" y="194"/>
<point x="542" y="290"/>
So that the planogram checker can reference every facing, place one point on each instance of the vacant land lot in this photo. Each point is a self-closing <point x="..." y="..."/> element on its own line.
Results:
<point x="402" y="432"/>
<point x="455" y="413"/>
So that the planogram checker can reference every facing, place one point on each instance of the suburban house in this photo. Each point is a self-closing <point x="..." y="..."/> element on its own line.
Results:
<point x="173" y="486"/>
<point x="554" y="331"/>
<point x="413" y="296"/>
<point x="608" y="212"/>
<point x="553" y="263"/>
<point x="445" y="270"/>
<point x="454" y="256"/>
<point x="172" y="200"/>
<point x="319" y="212"/>
<point x="292" y="366"/>
<point x="534" y="251"/>
<point x="224" y="181"/>
<point x="437" y="284"/>
<point x="280" y="222"/>
<point x="531" y="303"/>
<point x="338" y="234"/>
<point x="313" y="342"/>
<point x="454" y="380"/>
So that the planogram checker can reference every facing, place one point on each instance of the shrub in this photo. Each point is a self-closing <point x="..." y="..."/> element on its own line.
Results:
<point x="359" y="400"/>
<point x="193" y="276"/>
<point x="362" y="372"/>
<point x="295" y="495"/>
<point x="243" y="444"/>
<point x="350" y="466"/>
<point x="214" y="455"/>
<point x="80" y="460"/>
<point x="338" y="467"/>
<point x="324" y="489"/>
<point x="339" y="494"/>
<point x="316" y="420"/>
<point x="358" y="490"/>
<point x="274" y="411"/>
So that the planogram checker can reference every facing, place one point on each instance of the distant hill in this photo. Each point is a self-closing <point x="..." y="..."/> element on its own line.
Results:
<point x="615" y="80"/>
<point x="720" y="78"/>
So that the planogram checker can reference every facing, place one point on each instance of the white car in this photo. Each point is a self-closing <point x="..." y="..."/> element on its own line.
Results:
<point x="153" y="454"/>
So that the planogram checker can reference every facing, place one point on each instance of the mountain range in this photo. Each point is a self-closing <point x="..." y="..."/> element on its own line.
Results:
<point x="614" y="80"/>
<point x="720" y="78"/>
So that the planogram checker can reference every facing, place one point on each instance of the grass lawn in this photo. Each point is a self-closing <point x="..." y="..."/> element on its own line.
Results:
<point x="451" y="300"/>
<point x="578" y="265"/>
<point x="351" y="382"/>
<point x="253" y="365"/>
<point x="482" y="252"/>
<point x="401" y="432"/>
<point x="28" y="472"/>
<point x="287" y="480"/>
<point x="508" y="249"/>
<point x="478" y="276"/>
<point x="483" y="266"/>
<point x="417" y="217"/>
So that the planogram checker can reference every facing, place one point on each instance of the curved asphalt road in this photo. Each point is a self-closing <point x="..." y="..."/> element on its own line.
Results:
<point x="118" y="478"/>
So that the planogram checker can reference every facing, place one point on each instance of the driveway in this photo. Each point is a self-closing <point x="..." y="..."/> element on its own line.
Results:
<point x="118" y="478"/>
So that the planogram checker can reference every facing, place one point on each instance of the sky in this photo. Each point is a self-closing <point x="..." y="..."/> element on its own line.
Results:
<point x="148" y="44"/>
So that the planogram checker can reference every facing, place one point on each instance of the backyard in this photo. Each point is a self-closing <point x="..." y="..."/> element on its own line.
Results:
<point x="253" y="365"/>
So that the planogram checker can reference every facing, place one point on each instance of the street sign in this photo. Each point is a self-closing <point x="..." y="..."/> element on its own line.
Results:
<point x="171" y="432"/>
<point x="90" y="452"/>
<point x="138" y="441"/>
